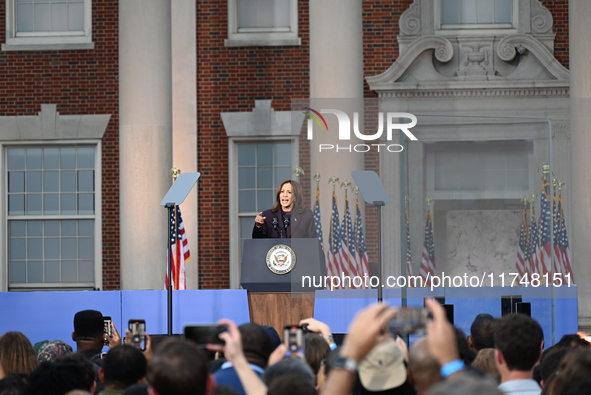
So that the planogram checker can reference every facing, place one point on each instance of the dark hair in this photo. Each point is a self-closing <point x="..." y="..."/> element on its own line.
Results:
<point x="178" y="367"/>
<point x="296" y="368"/>
<point x="256" y="344"/>
<point x="14" y="384"/>
<point x="550" y="362"/>
<point x="67" y="373"/>
<point x="573" y="372"/>
<point x="88" y="324"/>
<point x="291" y="385"/>
<point x="297" y="196"/>
<point x="317" y="349"/>
<point x="482" y="331"/>
<point x="519" y="338"/>
<point x="573" y="340"/>
<point x="124" y="366"/>
<point x="466" y="353"/>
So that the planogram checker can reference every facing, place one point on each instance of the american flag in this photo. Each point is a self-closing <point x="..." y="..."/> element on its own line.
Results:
<point x="564" y="245"/>
<point x="558" y="263"/>
<point x="335" y="252"/>
<point x="534" y="243"/>
<point x="179" y="250"/>
<point x="545" y="259"/>
<point x="317" y="220"/>
<point x="408" y="250"/>
<point x="427" y="266"/>
<point x="360" y="250"/>
<point x="522" y="264"/>
<point x="348" y="241"/>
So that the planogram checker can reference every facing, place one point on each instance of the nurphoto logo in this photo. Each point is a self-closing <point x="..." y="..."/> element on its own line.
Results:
<point x="392" y="120"/>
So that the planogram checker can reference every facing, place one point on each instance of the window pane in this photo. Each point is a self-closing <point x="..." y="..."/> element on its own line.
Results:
<point x="449" y="11"/>
<point x="86" y="158"/>
<point x="68" y="181"/>
<point x="17" y="228"/>
<point x="18" y="272"/>
<point x="34" y="158"/>
<point x="246" y="177"/>
<point x="68" y="204"/>
<point x="68" y="228"/>
<point x="265" y="177"/>
<point x="34" y="204"/>
<point x="34" y="183"/>
<point x="52" y="248"/>
<point x="34" y="248"/>
<point x="282" y="154"/>
<point x="246" y="154"/>
<point x="264" y="154"/>
<point x="68" y="158"/>
<point x="35" y="271"/>
<point x="86" y="181"/>
<point x="86" y="248"/>
<point x="16" y="204"/>
<point x="76" y="17"/>
<point x="86" y="228"/>
<point x="85" y="271"/>
<point x="265" y="200"/>
<point x="51" y="228"/>
<point x="34" y="228"/>
<point x="59" y="17"/>
<point x="85" y="203"/>
<point x="503" y="11"/>
<point x="18" y="248"/>
<point x="16" y="159"/>
<point x="16" y="181"/>
<point x="51" y="158"/>
<point x="52" y="271"/>
<point x="51" y="204"/>
<point x="69" y="271"/>
<point x="51" y="181"/>
<point x="263" y="13"/>
<point x="68" y="248"/>
<point x="281" y="174"/>
<point x="42" y="18"/>
<point x="486" y="11"/>
<point x="24" y="18"/>
<point x="247" y="201"/>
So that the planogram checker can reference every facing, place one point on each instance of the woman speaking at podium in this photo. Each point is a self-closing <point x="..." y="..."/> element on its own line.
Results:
<point x="288" y="218"/>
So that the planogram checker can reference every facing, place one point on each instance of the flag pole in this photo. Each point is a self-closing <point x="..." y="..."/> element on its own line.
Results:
<point x="174" y="173"/>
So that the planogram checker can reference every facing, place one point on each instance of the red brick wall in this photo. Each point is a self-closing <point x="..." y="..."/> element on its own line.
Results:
<point x="231" y="79"/>
<point x="78" y="82"/>
<point x="559" y="10"/>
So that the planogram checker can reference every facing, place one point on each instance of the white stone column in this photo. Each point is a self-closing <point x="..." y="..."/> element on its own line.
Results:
<point x="336" y="72"/>
<point x="580" y="91"/>
<point x="184" y="119"/>
<point x="145" y="139"/>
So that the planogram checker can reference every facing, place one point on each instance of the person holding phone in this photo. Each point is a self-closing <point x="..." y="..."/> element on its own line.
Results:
<point x="288" y="218"/>
<point x="89" y="333"/>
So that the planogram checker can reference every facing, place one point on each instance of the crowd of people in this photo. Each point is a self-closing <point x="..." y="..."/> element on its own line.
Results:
<point x="500" y="356"/>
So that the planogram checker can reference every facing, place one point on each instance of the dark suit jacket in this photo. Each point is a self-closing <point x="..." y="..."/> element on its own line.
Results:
<point x="301" y="225"/>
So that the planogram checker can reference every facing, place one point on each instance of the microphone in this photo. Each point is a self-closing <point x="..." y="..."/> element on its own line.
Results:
<point x="275" y="223"/>
<point x="286" y="222"/>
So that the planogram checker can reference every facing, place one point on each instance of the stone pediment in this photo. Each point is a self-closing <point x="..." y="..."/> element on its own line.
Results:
<point x="434" y="60"/>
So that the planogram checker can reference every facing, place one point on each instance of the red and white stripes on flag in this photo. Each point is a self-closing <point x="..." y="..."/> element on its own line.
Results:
<point x="561" y="244"/>
<point x="179" y="250"/>
<point x="522" y="262"/>
<point x="427" y="266"/>
<point x="348" y="241"/>
<point x="335" y="252"/>
<point x="360" y="250"/>
<point x="545" y="255"/>
<point x="534" y="243"/>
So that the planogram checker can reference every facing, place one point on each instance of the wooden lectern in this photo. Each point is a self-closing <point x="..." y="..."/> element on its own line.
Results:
<point x="276" y="298"/>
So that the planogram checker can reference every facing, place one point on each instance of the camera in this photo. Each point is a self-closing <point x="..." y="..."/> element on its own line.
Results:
<point x="410" y="320"/>
<point x="137" y="329"/>
<point x="293" y="337"/>
<point x="204" y="334"/>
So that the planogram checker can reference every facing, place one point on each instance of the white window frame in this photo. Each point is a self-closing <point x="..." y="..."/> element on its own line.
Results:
<point x="97" y="217"/>
<point x="46" y="41"/>
<point x="233" y="143"/>
<point x="460" y="29"/>
<point x="261" y="37"/>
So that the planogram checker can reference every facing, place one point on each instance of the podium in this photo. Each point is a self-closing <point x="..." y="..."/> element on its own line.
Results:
<point x="275" y="298"/>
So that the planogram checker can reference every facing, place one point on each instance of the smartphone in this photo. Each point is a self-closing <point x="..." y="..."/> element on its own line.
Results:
<point x="137" y="328"/>
<point x="293" y="337"/>
<point x="204" y="334"/>
<point x="410" y="320"/>
<point x="107" y="328"/>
